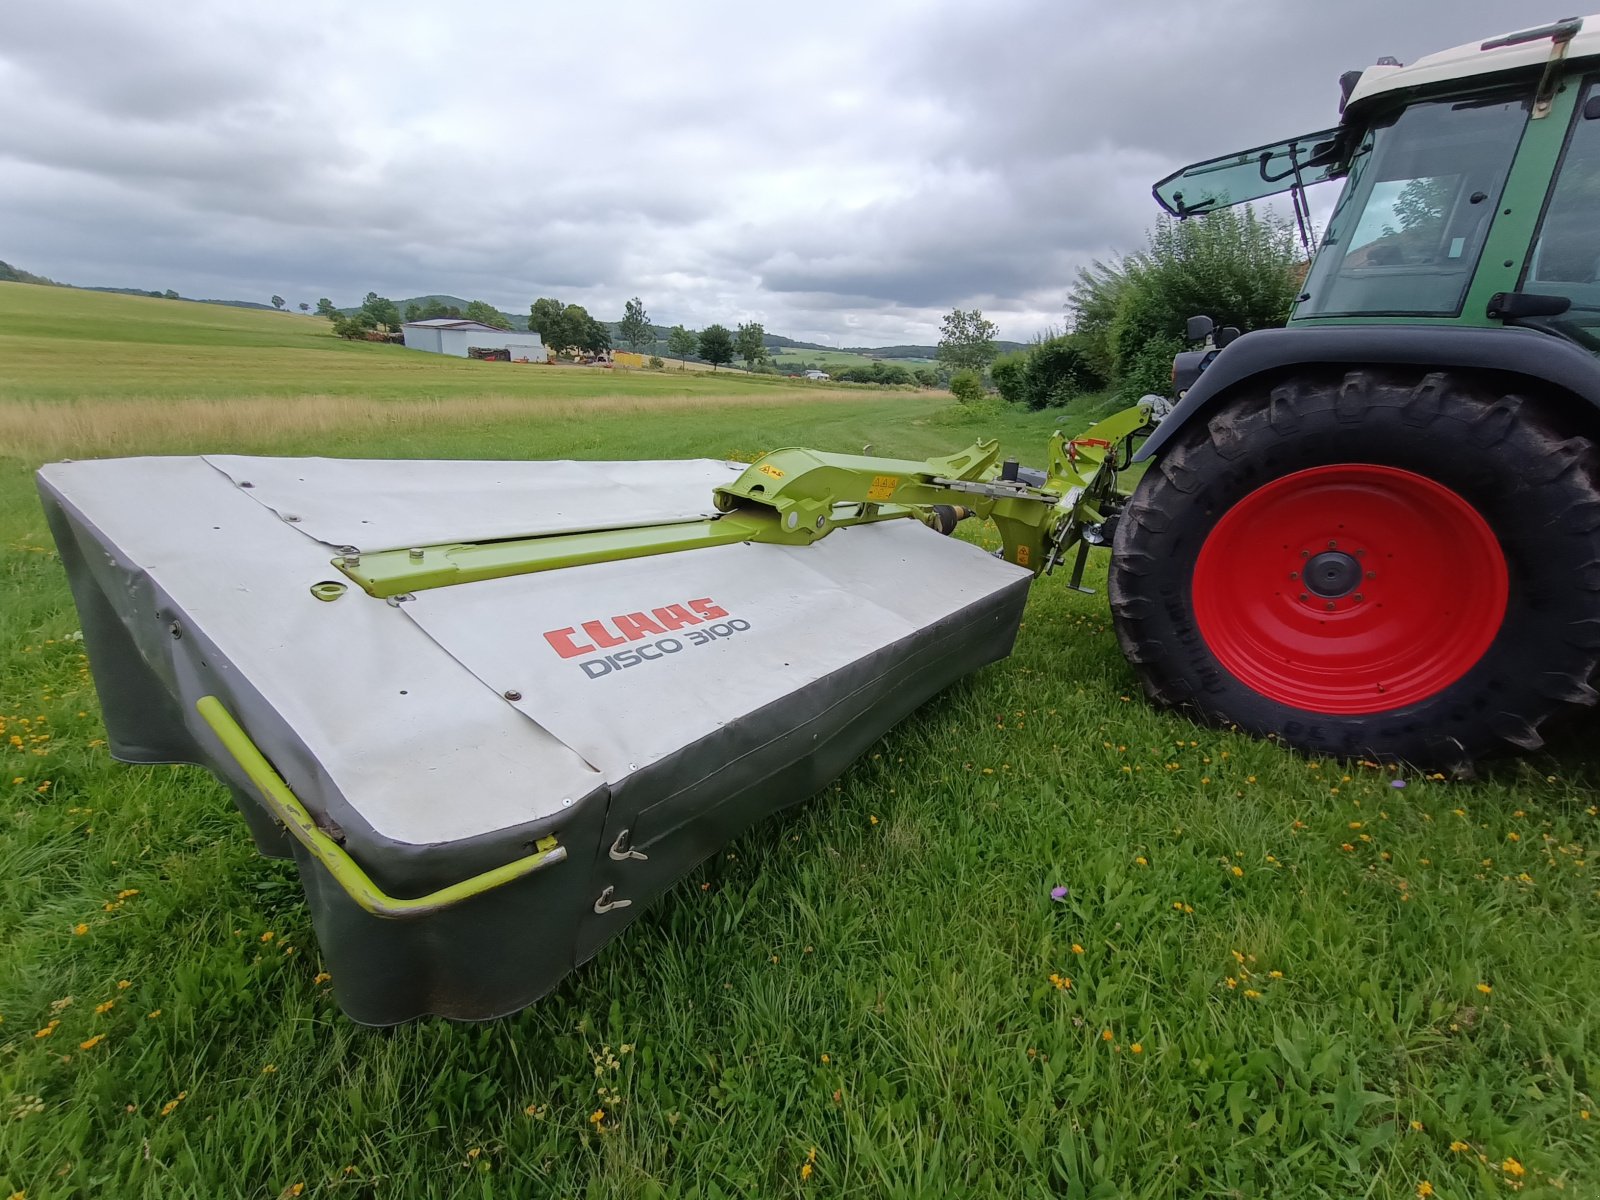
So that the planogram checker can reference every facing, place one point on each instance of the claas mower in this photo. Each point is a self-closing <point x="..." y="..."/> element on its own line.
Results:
<point x="493" y="709"/>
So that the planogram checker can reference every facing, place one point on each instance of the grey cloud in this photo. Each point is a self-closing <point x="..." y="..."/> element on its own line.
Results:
<point x="840" y="171"/>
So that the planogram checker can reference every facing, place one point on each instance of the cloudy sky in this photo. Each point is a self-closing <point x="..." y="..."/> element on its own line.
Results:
<point x="842" y="170"/>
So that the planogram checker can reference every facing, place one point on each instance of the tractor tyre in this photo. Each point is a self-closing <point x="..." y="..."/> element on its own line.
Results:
<point x="1373" y="566"/>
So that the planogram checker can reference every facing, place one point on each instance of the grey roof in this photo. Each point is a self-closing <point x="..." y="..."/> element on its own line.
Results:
<point x="457" y="323"/>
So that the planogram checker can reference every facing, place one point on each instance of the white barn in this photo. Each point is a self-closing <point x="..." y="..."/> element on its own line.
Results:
<point x="452" y="335"/>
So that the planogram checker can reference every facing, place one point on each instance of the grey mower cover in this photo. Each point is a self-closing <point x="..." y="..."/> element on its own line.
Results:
<point x="444" y="736"/>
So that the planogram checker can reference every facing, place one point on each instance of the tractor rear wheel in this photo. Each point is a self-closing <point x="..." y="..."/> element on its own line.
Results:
<point x="1373" y="566"/>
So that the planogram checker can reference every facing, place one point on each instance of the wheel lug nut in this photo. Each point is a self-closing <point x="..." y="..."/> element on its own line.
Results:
<point x="1294" y="574"/>
<point x="1305" y="554"/>
<point x="1358" y="597"/>
<point x="1332" y="545"/>
<point x="1304" y="597"/>
<point x="1372" y="574"/>
<point x="1330" y="605"/>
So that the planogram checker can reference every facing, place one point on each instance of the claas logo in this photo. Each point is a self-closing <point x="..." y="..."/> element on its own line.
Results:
<point x="604" y="634"/>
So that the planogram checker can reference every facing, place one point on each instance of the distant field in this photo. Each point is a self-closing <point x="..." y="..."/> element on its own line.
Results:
<point x="841" y="358"/>
<point x="65" y="344"/>
<point x="1270" y="976"/>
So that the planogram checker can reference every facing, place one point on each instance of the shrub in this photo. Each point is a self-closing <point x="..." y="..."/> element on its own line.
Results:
<point x="967" y="386"/>
<point x="655" y="362"/>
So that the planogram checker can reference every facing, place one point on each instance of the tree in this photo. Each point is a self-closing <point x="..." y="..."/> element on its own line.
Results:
<point x="304" y="307"/>
<point x="752" y="343"/>
<point x="485" y="313"/>
<point x="682" y="342"/>
<point x="381" y="310"/>
<point x="634" y="328"/>
<point x="716" y="345"/>
<point x="1051" y="373"/>
<point x="594" y="336"/>
<point x="277" y="303"/>
<point x="325" y="308"/>
<point x="352" y="327"/>
<point x="547" y="318"/>
<point x="169" y="294"/>
<point x="966" y="340"/>
<point x="1235" y="265"/>
<point x="413" y="311"/>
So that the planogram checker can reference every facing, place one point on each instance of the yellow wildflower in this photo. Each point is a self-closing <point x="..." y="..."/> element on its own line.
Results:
<point x="1583" y="1114"/>
<point x="826" y="1060"/>
<point x="124" y="984"/>
<point x="321" y="977"/>
<point x="1137" y="1048"/>
<point x="47" y="1030"/>
<point x="127" y="892"/>
<point x="1105" y="1035"/>
<point x="1252" y="994"/>
<point x="1485" y="988"/>
<point x="1237" y="872"/>
<point x="166" y="1109"/>
<point x="1274" y="974"/>
<point x="1458" y="1147"/>
<point x="1512" y="1167"/>
<point x="151" y="1016"/>
<point x="268" y="936"/>
<point x="873" y="820"/>
<point x="1060" y="982"/>
<point x="805" y="1171"/>
<point x="80" y="929"/>
<point x="1142" y="861"/>
<point x="1424" y="1189"/>
<point x="1416" y="1127"/>
<point x="91" y="1043"/>
<point x="104" y="1006"/>
<point x="1077" y="949"/>
<point x="597" y="1116"/>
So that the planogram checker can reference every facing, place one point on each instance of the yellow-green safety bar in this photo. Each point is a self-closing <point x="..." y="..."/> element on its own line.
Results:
<point x="286" y="806"/>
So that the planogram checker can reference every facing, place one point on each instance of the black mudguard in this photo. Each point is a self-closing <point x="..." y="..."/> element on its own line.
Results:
<point x="1556" y="366"/>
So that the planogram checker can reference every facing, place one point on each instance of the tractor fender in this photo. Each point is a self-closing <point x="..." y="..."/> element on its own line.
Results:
<point x="1269" y="354"/>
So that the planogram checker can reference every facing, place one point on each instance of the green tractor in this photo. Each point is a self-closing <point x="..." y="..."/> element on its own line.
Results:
<point x="1377" y="531"/>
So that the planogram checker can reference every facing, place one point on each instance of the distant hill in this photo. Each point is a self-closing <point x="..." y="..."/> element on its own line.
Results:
<point x="171" y="295"/>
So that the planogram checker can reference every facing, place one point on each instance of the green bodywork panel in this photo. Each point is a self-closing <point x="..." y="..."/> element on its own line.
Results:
<point x="793" y="497"/>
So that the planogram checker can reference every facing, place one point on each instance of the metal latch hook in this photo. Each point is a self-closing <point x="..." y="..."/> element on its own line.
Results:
<point x="619" y="851"/>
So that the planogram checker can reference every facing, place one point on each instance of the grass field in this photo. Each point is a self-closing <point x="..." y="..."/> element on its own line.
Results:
<point x="1273" y="977"/>
<point x="830" y="360"/>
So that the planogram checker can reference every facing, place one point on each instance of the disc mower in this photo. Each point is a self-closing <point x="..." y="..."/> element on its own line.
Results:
<point x="493" y="709"/>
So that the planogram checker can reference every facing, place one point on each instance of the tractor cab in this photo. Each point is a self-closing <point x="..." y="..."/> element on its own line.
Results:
<point x="1471" y="188"/>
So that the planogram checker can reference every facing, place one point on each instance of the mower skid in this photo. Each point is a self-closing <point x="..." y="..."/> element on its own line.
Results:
<point x="482" y="783"/>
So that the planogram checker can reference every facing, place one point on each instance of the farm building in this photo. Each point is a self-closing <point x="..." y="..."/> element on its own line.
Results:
<point x="818" y="375"/>
<point x="451" y="335"/>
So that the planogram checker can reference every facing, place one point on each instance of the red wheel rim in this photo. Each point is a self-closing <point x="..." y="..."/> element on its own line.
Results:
<point x="1350" y="589"/>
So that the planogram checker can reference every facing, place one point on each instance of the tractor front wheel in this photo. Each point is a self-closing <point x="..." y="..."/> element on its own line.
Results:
<point x="1406" y="570"/>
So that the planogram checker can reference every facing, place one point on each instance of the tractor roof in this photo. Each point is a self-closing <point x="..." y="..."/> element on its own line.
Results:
<point x="1522" y="50"/>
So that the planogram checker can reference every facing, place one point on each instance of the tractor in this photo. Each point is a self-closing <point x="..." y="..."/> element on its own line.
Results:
<point x="494" y="709"/>
<point x="1376" y="531"/>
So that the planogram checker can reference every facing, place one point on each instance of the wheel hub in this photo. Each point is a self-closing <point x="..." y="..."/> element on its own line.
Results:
<point x="1349" y="588"/>
<point x="1333" y="574"/>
